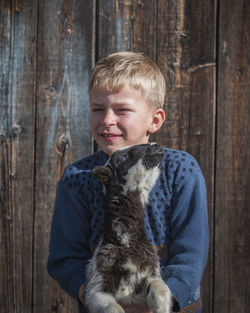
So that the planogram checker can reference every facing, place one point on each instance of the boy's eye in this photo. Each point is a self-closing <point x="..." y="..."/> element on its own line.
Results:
<point x="123" y="109"/>
<point x="97" y="110"/>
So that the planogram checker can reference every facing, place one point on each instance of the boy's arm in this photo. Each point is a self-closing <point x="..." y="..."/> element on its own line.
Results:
<point x="69" y="250"/>
<point x="189" y="233"/>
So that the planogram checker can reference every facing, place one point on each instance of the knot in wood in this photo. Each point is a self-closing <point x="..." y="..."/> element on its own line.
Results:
<point x="183" y="35"/>
<point x="239" y="72"/>
<point x="50" y="92"/>
<point x="8" y="218"/>
<point x="197" y="132"/>
<point x="140" y="4"/>
<point x="16" y="130"/>
<point x="2" y="137"/>
<point x="69" y="30"/>
<point x="57" y="306"/>
<point x="12" y="175"/>
<point x="63" y="144"/>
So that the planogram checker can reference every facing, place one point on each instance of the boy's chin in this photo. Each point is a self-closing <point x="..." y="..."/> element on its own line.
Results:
<point x="112" y="148"/>
<point x="109" y="149"/>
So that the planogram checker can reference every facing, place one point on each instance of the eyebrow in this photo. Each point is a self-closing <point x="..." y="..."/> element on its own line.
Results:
<point x="117" y="104"/>
<point x="96" y="104"/>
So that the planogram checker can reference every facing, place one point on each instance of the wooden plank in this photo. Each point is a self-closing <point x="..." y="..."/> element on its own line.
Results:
<point x="186" y="55"/>
<point x="17" y="92"/>
<point x="126" y="26"/>
<point x="65" y="54"/>
<point x="232" y="227"/>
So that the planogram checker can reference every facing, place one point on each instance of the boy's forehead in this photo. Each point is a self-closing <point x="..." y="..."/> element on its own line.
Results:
<point x="100" y="92"/>
<point x="126" y="94"/>
<point x="109" y="88"/>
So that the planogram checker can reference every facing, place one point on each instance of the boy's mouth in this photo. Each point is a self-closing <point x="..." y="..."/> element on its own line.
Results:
<point x="110" y="136"/>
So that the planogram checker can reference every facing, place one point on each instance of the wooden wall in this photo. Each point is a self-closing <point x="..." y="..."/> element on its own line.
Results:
<point x="47" y="50"/>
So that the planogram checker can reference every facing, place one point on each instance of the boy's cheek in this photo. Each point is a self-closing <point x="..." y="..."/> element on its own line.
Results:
<point x="95" y="119"/>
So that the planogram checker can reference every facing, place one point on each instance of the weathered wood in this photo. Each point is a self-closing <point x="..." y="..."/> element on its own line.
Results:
<point x="65" y="54"/>
<point x="17" y="121"/>
<point x="44" y="125"/>
<point x="186" y="55"/>
<point x="126" y="26"/>
<point x="232" y="214"/>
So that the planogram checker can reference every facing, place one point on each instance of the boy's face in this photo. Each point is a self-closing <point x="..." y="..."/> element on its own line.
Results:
<point x="119" y="119"/>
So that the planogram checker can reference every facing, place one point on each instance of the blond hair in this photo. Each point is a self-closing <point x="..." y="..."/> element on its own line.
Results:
<point x="136" y="70"/>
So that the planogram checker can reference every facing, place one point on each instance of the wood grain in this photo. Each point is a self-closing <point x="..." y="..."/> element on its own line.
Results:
<point x="17" y="124"/>
<point x="126" y="26"/>
<point x="186" y="55"/>
<point x="232" y="218"/>
<point x="47" y="50"/>
<point x="65" y="57"/>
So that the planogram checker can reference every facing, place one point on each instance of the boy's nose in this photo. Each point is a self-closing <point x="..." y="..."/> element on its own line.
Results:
<point x="109" y="118"/>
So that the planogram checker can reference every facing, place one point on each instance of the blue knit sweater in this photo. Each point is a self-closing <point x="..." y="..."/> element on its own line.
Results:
<point x="175" y="222"/>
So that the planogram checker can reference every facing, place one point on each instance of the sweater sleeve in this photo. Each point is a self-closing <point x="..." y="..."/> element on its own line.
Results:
<point x="188" y="249"/>
<point x="69" y="250"/>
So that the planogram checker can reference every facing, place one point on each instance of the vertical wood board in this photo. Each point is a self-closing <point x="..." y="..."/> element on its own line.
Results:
<point x="126" y="26"/>
<point x="232" y="214"/>
<point x="186" y="33"/>
<point x="62" y="124"/>
<point x="17" y="121"/>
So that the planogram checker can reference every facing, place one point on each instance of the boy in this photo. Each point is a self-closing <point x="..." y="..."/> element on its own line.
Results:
<point x="127" y="92"/>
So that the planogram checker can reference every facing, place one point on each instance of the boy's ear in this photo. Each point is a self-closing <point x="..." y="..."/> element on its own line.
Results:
<point x="158" y="117"/>
<point x="102" y="173"/>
